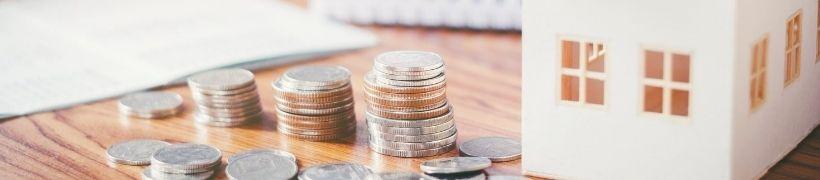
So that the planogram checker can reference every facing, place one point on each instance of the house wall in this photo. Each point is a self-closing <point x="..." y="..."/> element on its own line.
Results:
<point x="618" y="141"/>
<point x="762" y="137"/>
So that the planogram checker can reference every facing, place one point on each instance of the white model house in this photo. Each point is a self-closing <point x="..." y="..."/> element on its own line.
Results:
<point x="667" y="89"/>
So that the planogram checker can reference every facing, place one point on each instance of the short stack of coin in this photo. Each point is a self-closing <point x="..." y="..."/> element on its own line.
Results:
<point x="315" y="103"/>
<point x="184" y="161"/>
<point x="225" y="97"/>
<point x="407" y="113"/>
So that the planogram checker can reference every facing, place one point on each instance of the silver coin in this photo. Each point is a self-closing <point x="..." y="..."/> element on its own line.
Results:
<point x="414" y="76"/>
<point x="222" y="79"/>
<point x="412" y="131"/>
<point x="208" y="92"/>
<point x="464" y="176"/>
<point x="371" y="83"/>
<point x="134" y="152"/>
<point x="261" y="166"/>
<point x="341" y="171"/>
<point x="402" y="61"/>
<point x="399" y="176"/>
<point x="281" y="90"/>
<point x="188" y="157"/>
<point x="455" y="165"/>
<point x="309" y="77"/>
<point x="150" y="174"/>
<point x="497" y="149"/>
<point x="413" y="139"/>
<point x="413" y="146"/>
<point x="408" y="123"/>
<point x="275" y="152"/>
<point x="417" y="83"/>
<point x="412" y="153"/>
<point x="150" y="102"/>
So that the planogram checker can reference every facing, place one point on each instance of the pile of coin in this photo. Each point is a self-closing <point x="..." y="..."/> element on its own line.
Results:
<point x="150" y="105"/>
<point x="183" y="160"/>
<point x="225" y="97"/>
<point x="262" y="164"/>
<point x="315" y="103"/>
<point x="408" y="114"/>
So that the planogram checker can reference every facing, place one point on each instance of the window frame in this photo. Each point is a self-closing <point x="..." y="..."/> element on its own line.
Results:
<point x="792" y="66"/>
<point x="667" y="84"/>
<point x="582" y="73"/>
<point x="759" y="70"/>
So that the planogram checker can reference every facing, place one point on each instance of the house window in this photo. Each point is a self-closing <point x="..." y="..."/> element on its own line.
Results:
<point x="760" y="53"/>
<point x="793" y="49"/>
<point x="583" y="72"/>
<point x="666" y="82"/>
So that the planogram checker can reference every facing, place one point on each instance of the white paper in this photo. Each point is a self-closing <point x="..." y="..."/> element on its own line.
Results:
<point x="57" y="53"/>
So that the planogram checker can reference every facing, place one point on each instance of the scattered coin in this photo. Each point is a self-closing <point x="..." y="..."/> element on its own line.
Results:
<point x="150" y="105"/>
<point x="134" y="152"/>
<point x="225" y="97"/>
<point x="399" y="176"/>
<point x="263" y="164"/>
<point x="407" y="113"/>
<point x="497" y="149"/>
<point x="340" y="171"/>
<point x="455" y="165"/>
<point x="186" y="158"/>
<point x="274" y="152"/>
<point x="315" y="103"/>
<point x="150" y="174"/>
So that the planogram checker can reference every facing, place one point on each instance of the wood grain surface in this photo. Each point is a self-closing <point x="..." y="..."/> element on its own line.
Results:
<point x="483" y="72"/>
<point x="483" y="86"/>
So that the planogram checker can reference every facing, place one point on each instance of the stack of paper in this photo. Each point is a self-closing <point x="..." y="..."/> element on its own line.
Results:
<point x="57" y="53"/>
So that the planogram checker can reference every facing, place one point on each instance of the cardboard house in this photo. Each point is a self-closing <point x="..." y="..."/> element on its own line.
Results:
<point x="667" y="89"/>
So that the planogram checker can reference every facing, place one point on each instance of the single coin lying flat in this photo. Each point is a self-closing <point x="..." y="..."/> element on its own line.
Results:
<point x="340" y="171"/>
<point x="262" y="164"/>
<point x="134" y="152"/>
<point x="455" y="165"/>
<point x="497" y="149"/>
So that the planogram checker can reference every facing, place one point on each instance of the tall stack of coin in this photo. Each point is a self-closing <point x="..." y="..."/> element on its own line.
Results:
<point x="225" y="97"/>
<point x="315" y="103"/>
<point x="407" y="113"/>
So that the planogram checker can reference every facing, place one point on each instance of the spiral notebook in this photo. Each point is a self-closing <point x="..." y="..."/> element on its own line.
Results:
<point x="471" y="14"/>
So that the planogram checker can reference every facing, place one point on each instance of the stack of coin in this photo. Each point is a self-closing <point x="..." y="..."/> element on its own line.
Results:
<point x="150" y="105"/>
<point x="315" y="103"/>
<point x="407" y="113"/>
<point x="225" y="97"/>
<point x="190" y="161"/>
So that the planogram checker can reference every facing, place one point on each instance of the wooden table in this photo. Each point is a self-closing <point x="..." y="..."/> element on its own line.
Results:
<point x="483" y="85"/>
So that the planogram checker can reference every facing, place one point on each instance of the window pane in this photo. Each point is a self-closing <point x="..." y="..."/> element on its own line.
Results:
<point x="595" y="91"/>
<point x="761" y="86"/>
<point x="653" y="99"/>
<point x="654" y="64"/>
<point x="596" y="63"/>
<point x="680" y="102"/>
<point x="569" y="88"/>
<point x="755" y="58"/>
<point x="680" y="68"/>
<point x="753" y="91"/>
<point x="570" y="52"/>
